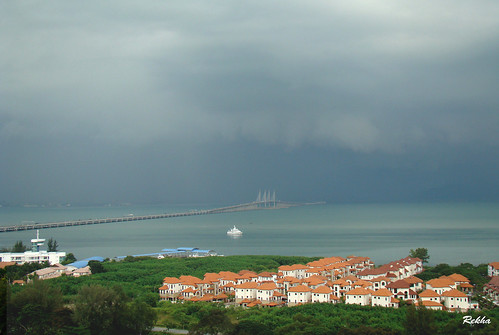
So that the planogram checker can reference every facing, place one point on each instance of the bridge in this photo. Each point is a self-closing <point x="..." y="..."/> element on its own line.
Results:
<point x="255" y="205"/>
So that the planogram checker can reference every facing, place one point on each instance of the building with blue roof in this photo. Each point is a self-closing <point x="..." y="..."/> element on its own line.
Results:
<point x="84" y="262"/>
<point x="178" y="252"/>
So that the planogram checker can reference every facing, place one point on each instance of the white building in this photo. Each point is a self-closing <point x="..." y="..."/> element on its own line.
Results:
<point x="358" y="296"/>
<point x="455" y="300"/>
<point x="493" y="269"/>
<point x="35" y="255"/>
<point x="246" y="291"/>
<point x="265" y="292"/>
<point x="300" y="294"/>
<point x="321" y="294"/>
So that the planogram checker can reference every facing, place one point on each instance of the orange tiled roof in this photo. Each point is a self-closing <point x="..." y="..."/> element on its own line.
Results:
<point x="413" y="280"/>
<point x="401" y="283"/>
<point x="299" y="288"/>
<point x="380" y="278"/>
<point x="383" y="293"/>
<point x="454" y="293"/>
<point x="171" y="280"/>
<point x="429" y="294"/>
<point x="254" y="303"/>
<point x="207" y="297"/>
<point x="164" y="287"/>
<point x="247" y="285"/>
<point x="495" y="265"/>
<point x="291" y="279"/>
<point x="358" y="291"/>
<point x="267" y="286"/>
<point x="4" y="264"/>
<point x="440" y="282"/>
<point x="362" y="283"/>
<point x="339" y="281"/>
<point x="211" y="275"/>
<point x="322" y="289"/>
<point x="459" y="278"/>
<point x="352" y="278"/>
<point x="430" y="303"/>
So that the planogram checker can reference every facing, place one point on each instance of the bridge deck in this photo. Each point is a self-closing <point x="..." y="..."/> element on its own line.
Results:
<point x="235" y="208"/>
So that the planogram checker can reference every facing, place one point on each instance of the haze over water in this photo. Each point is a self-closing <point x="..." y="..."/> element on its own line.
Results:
<point x="453" y="232"/>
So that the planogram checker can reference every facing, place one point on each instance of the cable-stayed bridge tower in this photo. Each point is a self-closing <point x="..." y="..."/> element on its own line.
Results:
<point x="266" y="200"/>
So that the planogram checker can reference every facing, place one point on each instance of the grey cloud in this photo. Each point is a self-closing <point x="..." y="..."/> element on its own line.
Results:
<point x="346" y="78"/>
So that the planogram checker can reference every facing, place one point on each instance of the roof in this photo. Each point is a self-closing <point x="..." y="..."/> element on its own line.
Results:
<point x="300" y="288"/>
<point x="322" y="289"/>
<point x="495" y="265"/>
<point x="382" y="293"/>
<point x="84" y="269"/>
<point x="4" y="264"/>
<point x="399" y="284"/>
<point x="358" y="291"/>
<point x="454" y="293"/>
<point x="45" y="271"/>
<point x="430" y="303"/>
<point x="267" y="286"/>
<point x="428" y="294"/>
<point x="247" y="285"/>
<point x="440" y="282"/>
<point x="459" y="277"/>
<point x="413" y="280"/>
<point x="84" y="262"/>
<point x="171" y="280"/>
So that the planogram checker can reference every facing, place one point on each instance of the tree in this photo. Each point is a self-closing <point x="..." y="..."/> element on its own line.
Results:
<point x="304" y="325"/>
<point x="70" y="258"/>
<point x="421" y="253"/>
<point x="107" y="311"/>
<point x="215" y="322"/>
<point x="52" y="245"/>
<point x="419" y="321"/>
<point x="251" y="327"/>
<point x="96" y="267"/>
<point x="19" y="247"/>
<point x="37" y="309"/>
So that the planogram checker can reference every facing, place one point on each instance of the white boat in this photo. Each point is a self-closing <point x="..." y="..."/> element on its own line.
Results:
<point x="234" y="232"/>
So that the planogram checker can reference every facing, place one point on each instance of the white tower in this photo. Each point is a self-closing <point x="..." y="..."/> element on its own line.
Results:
<point x="37" y="242"/>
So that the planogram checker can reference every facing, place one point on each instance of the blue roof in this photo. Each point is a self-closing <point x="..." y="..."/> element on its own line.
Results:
<point x="94" y="258"/>
<point x="187" y="249"/>
<point x="203" y="251"/>
<point x="84" y="262"/>
<point x="142" y="255"/>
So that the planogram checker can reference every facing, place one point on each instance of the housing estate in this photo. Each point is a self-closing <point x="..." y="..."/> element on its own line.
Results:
<point x="352" y="280"/>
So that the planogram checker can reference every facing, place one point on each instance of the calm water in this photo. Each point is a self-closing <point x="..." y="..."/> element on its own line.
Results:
<point x="453" y="233"/>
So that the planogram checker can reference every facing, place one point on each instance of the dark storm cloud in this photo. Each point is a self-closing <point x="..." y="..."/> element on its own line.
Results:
<point x="386" y="82"/>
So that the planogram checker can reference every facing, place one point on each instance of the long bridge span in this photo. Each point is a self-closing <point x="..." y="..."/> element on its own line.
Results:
<point x="256" y="205"/>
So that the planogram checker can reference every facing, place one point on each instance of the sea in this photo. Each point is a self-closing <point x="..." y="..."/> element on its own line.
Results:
<point x="453" y="233"/>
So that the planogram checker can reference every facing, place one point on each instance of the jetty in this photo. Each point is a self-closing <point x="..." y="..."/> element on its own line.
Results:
<point x="260" y="204"/>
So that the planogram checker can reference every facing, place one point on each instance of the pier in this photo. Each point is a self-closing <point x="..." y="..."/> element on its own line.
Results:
<point x="255" y="205"/>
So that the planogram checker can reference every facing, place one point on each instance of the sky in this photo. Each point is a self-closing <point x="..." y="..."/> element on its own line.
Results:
<point x="212" y="101"/>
